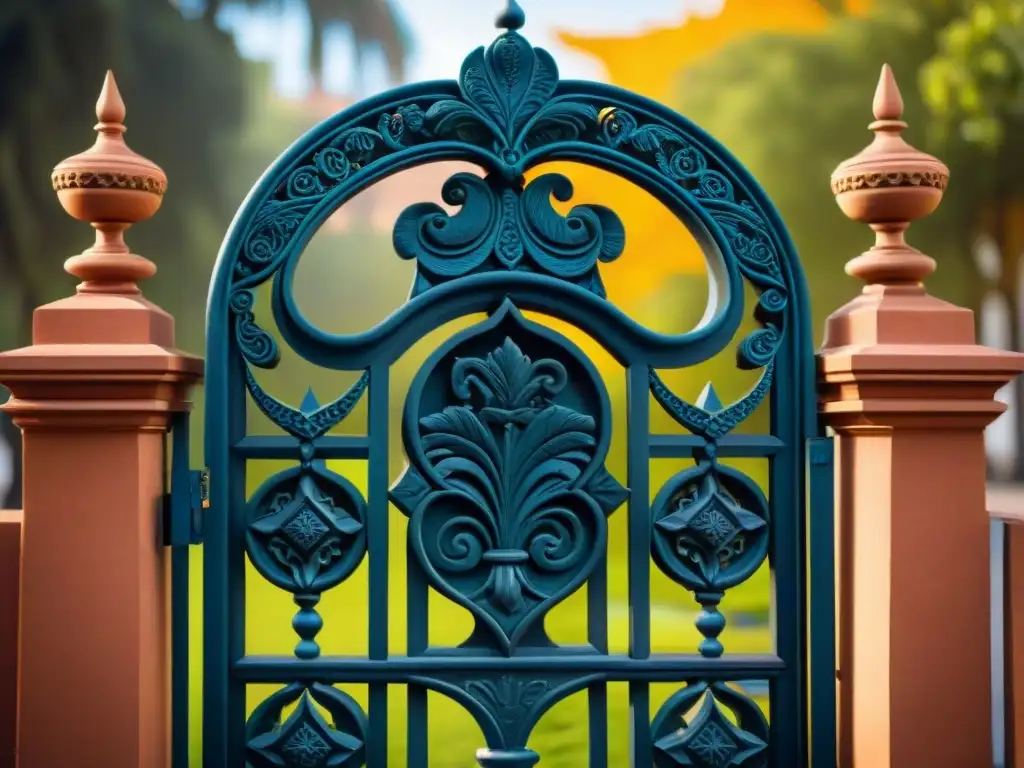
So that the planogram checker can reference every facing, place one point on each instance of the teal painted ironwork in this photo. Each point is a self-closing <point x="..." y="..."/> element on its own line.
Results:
<point x="183" y="509"/>
<point x="506" y="428"/>
<point x="821" y="554"/>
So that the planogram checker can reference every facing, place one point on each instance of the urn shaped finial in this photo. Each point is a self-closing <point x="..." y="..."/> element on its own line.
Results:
<point x="887" y="186"/>
<point x="111" y="187"/>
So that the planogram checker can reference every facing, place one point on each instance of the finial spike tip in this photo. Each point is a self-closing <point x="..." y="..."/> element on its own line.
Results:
<point x="888" y="103"/>
<point x="512" y="18"/>
<point x="309" y="402"/>
<point x="709" y="399"/>
<point x="110" y="106"/>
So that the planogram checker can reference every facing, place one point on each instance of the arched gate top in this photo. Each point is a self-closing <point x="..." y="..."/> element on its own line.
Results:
<point x="508" y="113"/>
<point x="506" y="430"/>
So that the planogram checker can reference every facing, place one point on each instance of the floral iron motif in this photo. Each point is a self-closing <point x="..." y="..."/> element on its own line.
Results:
<point x="507" y="501"/>
<point x="710" y="533"/>
<point x="306" y="535"/>
<point x="505" y="226"/>
<point x="305" y="739"/>
<point x="710" y="740"/>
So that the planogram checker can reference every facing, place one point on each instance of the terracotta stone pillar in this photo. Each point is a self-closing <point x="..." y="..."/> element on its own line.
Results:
<point x="909" y="393"/>
<point x="93" y="396"/>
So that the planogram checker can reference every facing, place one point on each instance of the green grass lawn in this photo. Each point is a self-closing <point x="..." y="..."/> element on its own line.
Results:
<point x="561" y="737"/>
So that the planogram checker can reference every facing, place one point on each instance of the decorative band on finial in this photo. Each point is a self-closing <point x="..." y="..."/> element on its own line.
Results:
<point x="512" y="18"/>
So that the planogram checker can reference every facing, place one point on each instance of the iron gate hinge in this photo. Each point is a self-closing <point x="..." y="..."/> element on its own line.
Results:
<point x="184" y="509"/>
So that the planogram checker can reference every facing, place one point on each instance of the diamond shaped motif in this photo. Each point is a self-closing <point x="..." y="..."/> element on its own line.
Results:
<point x="709" y="517"/>
<point x="709" y="741"/>
<point x="305" y="530"/>
<point x="305" y="740"/>
<point x="303" y="538"/>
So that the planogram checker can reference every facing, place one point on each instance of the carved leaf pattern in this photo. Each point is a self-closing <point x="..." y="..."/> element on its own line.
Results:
<point x="506" y="531"/>
<point x="512" y="701"/>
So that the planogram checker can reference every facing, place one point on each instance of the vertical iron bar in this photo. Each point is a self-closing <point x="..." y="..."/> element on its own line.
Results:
<point x="224" y="557"/>
<point x="638" y="479"/>
<point x="234" y="561"/>
<point x="417" y="638"/>
<point x="377" y="545"/>
<point x="597" y="635"/>
<point x="787" y="502"/>
<point x="821" y="583"/>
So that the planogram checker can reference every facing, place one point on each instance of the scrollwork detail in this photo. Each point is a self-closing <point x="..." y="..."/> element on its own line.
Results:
<point x="257" y="346"/>
<point x="503" y="226"/>
<point x="510" y="114"/>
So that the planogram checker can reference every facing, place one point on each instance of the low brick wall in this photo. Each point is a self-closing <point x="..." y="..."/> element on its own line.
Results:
<point x="1006" y="504"/>
<point x="10" y="588"/>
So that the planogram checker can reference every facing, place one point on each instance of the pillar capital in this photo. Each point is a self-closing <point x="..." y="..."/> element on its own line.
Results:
<point x="895" y="356"/>
<point x="103" y="358"/>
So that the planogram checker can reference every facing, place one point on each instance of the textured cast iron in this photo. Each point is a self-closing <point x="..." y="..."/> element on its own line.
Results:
<point x="506" y="429"/>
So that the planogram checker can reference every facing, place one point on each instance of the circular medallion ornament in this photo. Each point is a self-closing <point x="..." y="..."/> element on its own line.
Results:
<point x="710" y="528"/>
<point x="306" y="530"/>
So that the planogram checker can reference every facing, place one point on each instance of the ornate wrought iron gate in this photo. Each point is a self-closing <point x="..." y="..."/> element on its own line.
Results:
<point x="506" y="429"/>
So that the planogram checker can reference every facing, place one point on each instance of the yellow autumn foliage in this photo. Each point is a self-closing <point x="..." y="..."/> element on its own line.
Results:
<point x="650" y="63"/>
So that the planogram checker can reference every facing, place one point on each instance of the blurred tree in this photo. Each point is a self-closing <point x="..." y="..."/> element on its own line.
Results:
<point x="974" y="88"/>
<point x="184" y="85"/>
<point x="650" y="62"/>
<point x="792" y="107"/>
<point x="372" y="22"/>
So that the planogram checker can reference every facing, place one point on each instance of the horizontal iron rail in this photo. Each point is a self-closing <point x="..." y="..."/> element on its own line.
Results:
<point x="729" y="446"/>
<point x="358" y="446"/>
<point x="284" y="447"/>
<point x="398" y="669"/>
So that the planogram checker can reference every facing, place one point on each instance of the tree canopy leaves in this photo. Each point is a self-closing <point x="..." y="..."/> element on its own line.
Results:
<point x="793" y="106"/>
